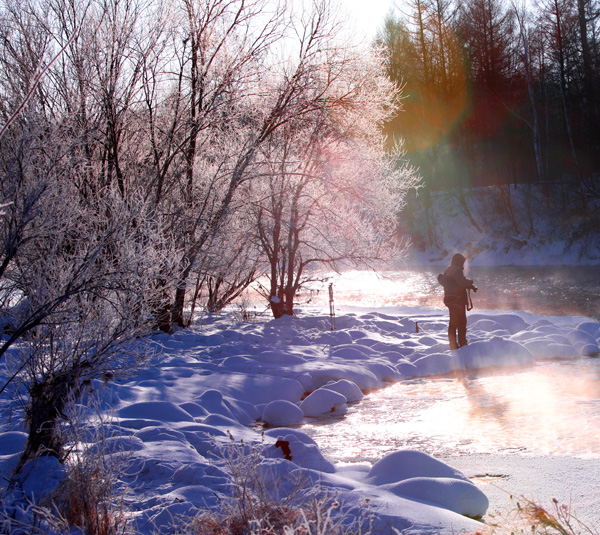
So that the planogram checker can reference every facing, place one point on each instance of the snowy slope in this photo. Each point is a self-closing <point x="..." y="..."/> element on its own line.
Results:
<point x="510" y="226"/>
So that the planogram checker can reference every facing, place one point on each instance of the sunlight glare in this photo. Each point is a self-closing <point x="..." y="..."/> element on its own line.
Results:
<point x="368" y="288"/>
<point x="534" y="410"/>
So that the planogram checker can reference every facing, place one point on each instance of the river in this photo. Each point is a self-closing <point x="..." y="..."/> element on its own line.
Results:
<point x="528" y="410"/>
<point x="548" y="290"/>
<point x="546" y="416"/>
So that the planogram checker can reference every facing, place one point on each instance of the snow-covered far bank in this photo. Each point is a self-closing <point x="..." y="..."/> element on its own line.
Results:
<point x="220" y="381"/>
<point x="502" y="226"/>
<point x="488" y="252"/>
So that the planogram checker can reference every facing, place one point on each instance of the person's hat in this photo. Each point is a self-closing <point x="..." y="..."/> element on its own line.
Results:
<point x="458" y="260"/>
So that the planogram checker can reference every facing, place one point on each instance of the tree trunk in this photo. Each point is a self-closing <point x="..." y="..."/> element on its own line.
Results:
<point x="283" y="307"/>
<point x="465" y="207"/>
<point x="161" y="309"/>
<point x="178" y="304"/>
<point x="44" y="411"/>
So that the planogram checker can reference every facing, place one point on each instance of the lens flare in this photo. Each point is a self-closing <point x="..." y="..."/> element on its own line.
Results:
<point x="432" y="104"/>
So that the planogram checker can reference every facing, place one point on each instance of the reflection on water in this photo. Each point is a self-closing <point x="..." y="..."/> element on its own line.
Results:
<point x="540" y="289"/>
<point x="550" y="408"/>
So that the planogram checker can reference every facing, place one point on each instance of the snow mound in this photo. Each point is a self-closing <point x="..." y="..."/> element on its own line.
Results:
<point x="488" y="325"/>
<point x="385" y="373"/>
<point x="12" y="442"/>
<point x="494" y="352"/>
<point x="278" y="357"/>
<point x="214" y="382"/>
<point x="580" y="338"/>
<point x="407" y="464"/>
<point x="457" y="495"/>
<point x="590" y="327"/>
<point x="324" y="401"/>
<point x="407" y="369"/>
<point x="40" y="477"/>
<point x="589" y="350"/>
<point x="281" y="413"/>
<point x="437" y="364"/>
<point x="346" y="388"/>
<point x="301" y="450"/>
<point x="547" y="349"/>
<point x="156" y="410"/>
<point x="352" y="352"/>
<point x="512" y="323"/>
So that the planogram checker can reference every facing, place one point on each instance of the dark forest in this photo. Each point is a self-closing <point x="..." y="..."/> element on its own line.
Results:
<point x="495" y="92"/>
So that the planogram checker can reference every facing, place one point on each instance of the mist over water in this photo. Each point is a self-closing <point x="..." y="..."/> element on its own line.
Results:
<point x="552" y="407"/>
<point x="547" y="290"/>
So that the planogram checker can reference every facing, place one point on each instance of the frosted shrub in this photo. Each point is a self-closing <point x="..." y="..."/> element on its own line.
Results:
<point x="88" y="497"/>
<point x="244" y="310"/>
<point x="265" y="501"/>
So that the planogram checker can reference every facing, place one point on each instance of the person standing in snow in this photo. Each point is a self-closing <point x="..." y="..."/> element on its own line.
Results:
<point x="457" y="300"/>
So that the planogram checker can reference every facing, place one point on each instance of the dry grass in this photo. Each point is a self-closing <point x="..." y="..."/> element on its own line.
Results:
<point x="529" y="517"/>
<point x="87" y="498"/>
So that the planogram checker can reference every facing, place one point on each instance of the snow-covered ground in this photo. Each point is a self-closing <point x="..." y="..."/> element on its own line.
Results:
<point x="222" y="380"/>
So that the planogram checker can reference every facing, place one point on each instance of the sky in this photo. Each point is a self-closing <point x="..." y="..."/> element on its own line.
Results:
<point x="367" y="15"/>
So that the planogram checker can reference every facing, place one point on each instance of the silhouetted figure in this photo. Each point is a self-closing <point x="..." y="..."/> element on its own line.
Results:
<point x="456" y="298"/>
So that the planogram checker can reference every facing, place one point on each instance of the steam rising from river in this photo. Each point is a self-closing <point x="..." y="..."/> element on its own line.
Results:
<point x="544" y="290"/>
<point x="550" y="408"/>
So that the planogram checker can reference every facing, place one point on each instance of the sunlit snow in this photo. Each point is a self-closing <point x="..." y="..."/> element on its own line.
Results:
<point x="225" y="380"/>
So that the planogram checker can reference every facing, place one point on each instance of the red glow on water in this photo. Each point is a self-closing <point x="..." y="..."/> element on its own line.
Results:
<point x="533" y="410"/>
<point x="566" y="291"/>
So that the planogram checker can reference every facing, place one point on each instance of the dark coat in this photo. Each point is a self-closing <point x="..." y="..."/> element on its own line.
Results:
<point x="455" y="283"/>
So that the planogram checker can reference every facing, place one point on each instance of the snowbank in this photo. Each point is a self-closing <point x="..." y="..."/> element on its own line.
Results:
<point x="539" y="237"/>
<point x="220" y="382"/>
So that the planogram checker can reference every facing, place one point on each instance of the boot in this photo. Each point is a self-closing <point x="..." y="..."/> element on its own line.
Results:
<point x="452" y="339"/>
<point x="462" y="337"/>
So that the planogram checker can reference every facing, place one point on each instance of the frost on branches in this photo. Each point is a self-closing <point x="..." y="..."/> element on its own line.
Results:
<point x="329" y="192"/>
<point x="157" y="156"/>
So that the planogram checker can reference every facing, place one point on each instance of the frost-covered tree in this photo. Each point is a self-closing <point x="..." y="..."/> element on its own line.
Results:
<point x="242" y="75"/>
<point x="137" y="140"/>
<point x="231" y="263"/>
<point x="207" y="121"/>
<point x="80" y="254"/>
<point x="330" y="192"/>
<point x="78" y="281"/>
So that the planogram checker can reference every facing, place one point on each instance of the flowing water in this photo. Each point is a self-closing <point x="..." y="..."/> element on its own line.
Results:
<point x="549" y="290"/>
<point x="552" y="407"/>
